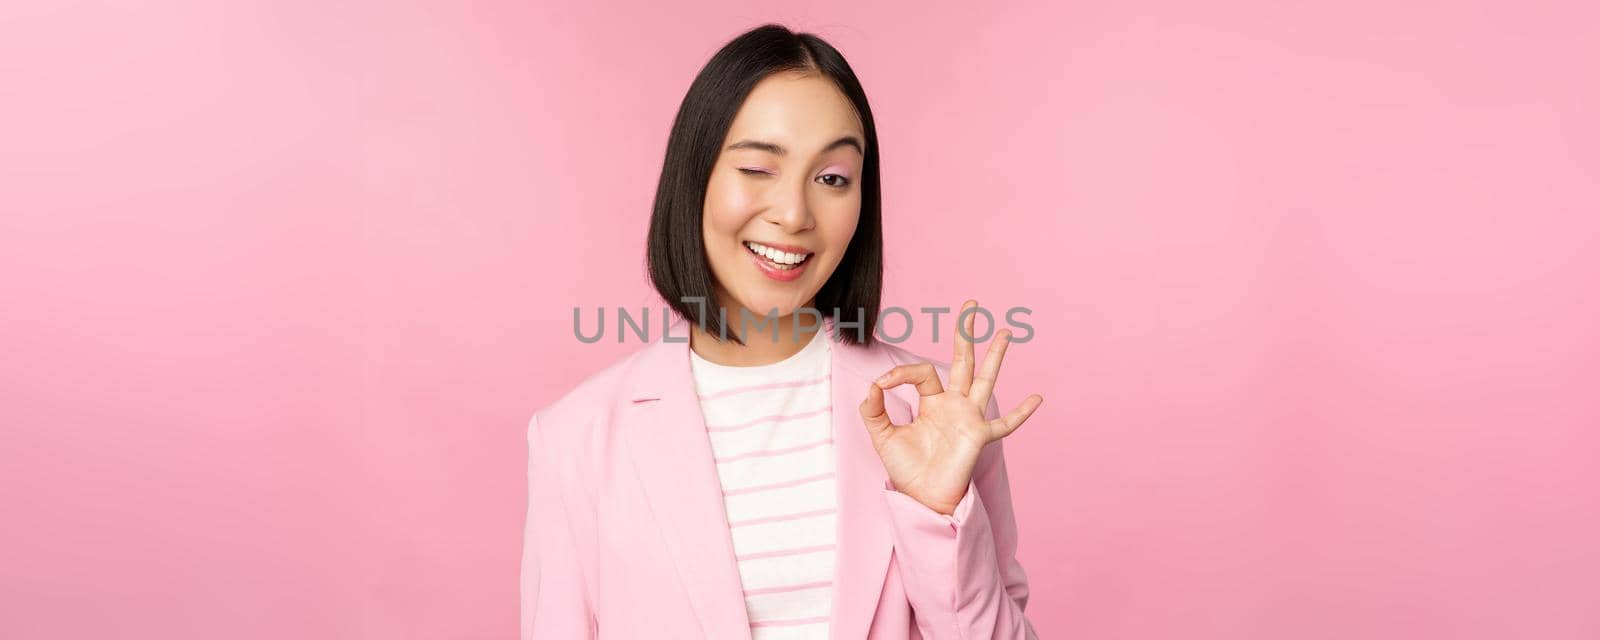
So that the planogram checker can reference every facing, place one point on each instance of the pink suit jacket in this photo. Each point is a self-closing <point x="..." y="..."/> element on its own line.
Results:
<point x="627" y="537"/>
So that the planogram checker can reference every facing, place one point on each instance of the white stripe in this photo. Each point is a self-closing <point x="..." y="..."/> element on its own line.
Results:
<point x="769" y="469"/>
<point x="791" y="632"/>
<point x="804" y="603"/>
<point x="810" y="496"/>
<point x="762" y="573"/>
<point x="786" y="534"/>
<point x="772" y="435"/>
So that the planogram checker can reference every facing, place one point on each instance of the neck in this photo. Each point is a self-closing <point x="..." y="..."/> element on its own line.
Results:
<point x="763" y="343"/>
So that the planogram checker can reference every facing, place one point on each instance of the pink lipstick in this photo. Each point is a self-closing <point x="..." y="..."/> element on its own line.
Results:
<point x="780" y="262"/>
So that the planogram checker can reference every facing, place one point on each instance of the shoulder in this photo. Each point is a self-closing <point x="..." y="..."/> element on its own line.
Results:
<point x="589" y="399"/>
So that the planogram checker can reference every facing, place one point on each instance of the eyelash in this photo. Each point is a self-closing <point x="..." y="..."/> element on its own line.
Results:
<point x="844" y="182"/>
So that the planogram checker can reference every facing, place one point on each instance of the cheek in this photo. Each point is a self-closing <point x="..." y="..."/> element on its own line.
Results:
<point x="727" y="209"/>
<point x="838" y="226"/>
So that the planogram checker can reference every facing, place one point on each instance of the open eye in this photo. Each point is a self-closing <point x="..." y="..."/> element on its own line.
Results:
<point x="841" y="181"/>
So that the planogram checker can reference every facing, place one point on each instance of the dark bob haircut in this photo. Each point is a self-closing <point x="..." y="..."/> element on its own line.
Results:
<point x="676" y="255"/>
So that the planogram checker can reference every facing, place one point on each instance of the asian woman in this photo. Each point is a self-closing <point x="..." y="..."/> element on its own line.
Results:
<point x="767" y="468"/>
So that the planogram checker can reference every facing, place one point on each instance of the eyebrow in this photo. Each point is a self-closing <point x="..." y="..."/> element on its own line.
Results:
<point x="776" y="149"/>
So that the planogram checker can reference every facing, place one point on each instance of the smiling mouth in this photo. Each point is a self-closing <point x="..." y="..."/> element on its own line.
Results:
<point x="778" y="260"/>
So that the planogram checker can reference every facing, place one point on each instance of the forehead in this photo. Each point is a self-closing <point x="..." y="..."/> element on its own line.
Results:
<point x="800" y="112"/>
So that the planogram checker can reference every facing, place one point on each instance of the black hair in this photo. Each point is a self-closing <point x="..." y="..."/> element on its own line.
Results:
<point x="676" y="253"/>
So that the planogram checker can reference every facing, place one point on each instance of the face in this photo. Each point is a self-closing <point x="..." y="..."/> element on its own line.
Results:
<point x="784" y="197"/>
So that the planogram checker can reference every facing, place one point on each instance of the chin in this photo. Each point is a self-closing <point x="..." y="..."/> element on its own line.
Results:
<point x="761" y="305"/>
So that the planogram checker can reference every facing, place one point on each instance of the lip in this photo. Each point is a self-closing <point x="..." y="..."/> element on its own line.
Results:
<point x="766" y="268"/>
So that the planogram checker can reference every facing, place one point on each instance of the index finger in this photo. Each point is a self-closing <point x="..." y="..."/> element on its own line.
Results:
<point x="921" y="374"/>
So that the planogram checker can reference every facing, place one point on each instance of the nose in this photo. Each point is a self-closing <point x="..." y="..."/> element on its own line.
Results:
<point x="790" y="211"/>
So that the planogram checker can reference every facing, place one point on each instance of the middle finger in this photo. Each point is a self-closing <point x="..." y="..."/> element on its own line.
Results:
<point x="961" y="364"/>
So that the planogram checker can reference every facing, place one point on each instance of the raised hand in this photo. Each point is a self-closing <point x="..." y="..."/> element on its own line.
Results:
<point x="932" y="458"/>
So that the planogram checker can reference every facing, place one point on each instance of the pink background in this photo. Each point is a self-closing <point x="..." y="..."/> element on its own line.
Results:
<point x="1315" y="292"/>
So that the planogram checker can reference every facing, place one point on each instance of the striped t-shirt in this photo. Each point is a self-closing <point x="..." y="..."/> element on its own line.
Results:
<point x="771" y="432"/>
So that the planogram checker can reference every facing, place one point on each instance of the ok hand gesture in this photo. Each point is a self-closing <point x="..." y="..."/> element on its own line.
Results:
<point x="932" y="458"/>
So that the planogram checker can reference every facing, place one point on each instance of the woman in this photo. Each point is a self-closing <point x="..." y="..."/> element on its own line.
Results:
<point x="779" y="474"/>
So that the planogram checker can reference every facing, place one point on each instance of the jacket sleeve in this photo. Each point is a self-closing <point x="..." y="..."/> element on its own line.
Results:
<point x="960" y="571"/>
<point x="554" y="601"/>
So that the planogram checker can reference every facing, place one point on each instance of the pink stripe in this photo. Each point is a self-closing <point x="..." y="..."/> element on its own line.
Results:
<point x="778" y="485"/>
<point x="773" y="452"/>
<point x="781" y="518"/>
<point x="785" y="623"/>
<point x="785" y="552"/>
<point x="781" y="417"/>
<point x="758" y="387"/>
<point x="786" y="588"/>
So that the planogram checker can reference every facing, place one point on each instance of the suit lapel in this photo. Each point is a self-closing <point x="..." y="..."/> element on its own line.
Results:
<point x="666" y="439"/>
<point x="864" y="537"/>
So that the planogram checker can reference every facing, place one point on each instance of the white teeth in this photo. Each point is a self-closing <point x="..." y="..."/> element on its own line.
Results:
<point x="779" y="257"/>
